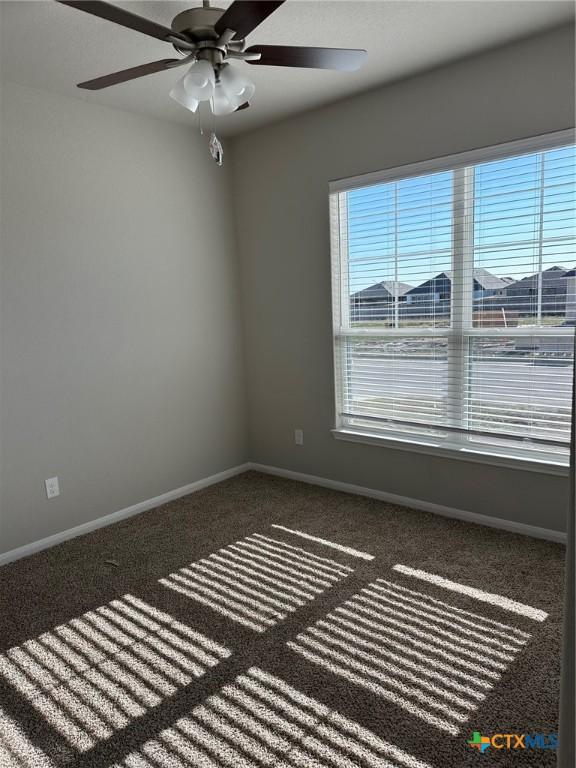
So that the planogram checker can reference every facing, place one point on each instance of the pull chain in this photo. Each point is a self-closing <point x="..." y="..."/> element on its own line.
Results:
<point x="214" y="145"/>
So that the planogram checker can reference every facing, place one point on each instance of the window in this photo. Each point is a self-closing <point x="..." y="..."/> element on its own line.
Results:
<point x="454" y="296"/>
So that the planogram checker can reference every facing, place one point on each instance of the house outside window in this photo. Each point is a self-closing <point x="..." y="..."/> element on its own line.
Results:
<point x="455" y="301"/>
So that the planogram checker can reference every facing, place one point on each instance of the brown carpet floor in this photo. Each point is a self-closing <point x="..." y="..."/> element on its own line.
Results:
<point x="278" y="650"/>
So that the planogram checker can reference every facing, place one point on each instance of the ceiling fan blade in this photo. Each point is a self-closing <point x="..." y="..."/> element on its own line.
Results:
<point x="343" y="59"/>
<point x="131" y="74"/>
<point x="122" y="17"/>
<point x="245" y="15"/>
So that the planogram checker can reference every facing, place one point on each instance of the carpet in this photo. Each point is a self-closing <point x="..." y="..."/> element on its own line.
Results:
<point x="267" y="622"/>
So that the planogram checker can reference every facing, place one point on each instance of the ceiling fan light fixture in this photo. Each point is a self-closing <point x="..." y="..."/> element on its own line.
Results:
<point x="226" y="91"/>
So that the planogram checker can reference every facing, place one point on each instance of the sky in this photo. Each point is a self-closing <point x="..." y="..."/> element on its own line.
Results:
<point x="524" y="210"/>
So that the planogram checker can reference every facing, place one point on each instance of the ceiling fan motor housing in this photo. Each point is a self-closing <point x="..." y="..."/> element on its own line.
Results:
<point x="198" y="23"/>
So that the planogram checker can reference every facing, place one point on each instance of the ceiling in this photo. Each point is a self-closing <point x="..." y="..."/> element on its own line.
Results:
<point x="51" y="46"/>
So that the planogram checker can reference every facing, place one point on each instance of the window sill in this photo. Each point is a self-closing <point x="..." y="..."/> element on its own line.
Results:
<point x="463" y="454"/>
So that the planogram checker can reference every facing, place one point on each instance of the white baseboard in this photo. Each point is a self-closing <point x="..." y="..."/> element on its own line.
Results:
<point x="404" y="501"/>
<point x="114" y="517"/>
<point x="426" y="506"/>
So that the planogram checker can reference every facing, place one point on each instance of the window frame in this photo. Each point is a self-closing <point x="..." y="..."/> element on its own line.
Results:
<point x="454" y="445"/>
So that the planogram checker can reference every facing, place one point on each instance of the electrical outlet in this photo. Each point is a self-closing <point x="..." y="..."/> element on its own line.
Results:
<point x="299" y="436"/>
<point x="52" y="487"/>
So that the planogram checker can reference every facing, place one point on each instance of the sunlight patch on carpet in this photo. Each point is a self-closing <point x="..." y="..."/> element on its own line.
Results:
<point x="260" y="720"/>
<point x="327" y="543"/>
<point x="16" y="751"/>
<point x="436" y="661"/>
<point x="257" y="581"/>
<point x="478" y="594"/>
<point x="93" y="675"/>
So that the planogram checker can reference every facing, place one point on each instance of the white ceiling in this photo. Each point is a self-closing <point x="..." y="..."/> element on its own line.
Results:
<point x="51" y="46"/>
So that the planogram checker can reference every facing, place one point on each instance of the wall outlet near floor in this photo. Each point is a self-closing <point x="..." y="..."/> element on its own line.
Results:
<point x="299" y="436"/>
<point x="52" y="487"/>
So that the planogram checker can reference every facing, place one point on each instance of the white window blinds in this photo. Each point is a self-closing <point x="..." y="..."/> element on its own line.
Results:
<point x="455" y="301"/>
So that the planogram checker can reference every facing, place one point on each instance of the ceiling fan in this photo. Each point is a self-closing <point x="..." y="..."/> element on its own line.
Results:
<point x="209" y="39"/>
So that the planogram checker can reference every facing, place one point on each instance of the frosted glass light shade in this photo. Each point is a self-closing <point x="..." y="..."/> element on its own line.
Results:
<point x="246" y="93"/>
<point x="199" y="81"/>
<point x="232" y="80"/>
<point x="181" y="95"/>
<point x="220" y="103"/>
<point x="237" y="88"/>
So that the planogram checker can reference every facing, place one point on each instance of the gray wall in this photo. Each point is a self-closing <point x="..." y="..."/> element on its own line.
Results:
<point x="121" y="350"/>
<point x="280" y="184"/>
